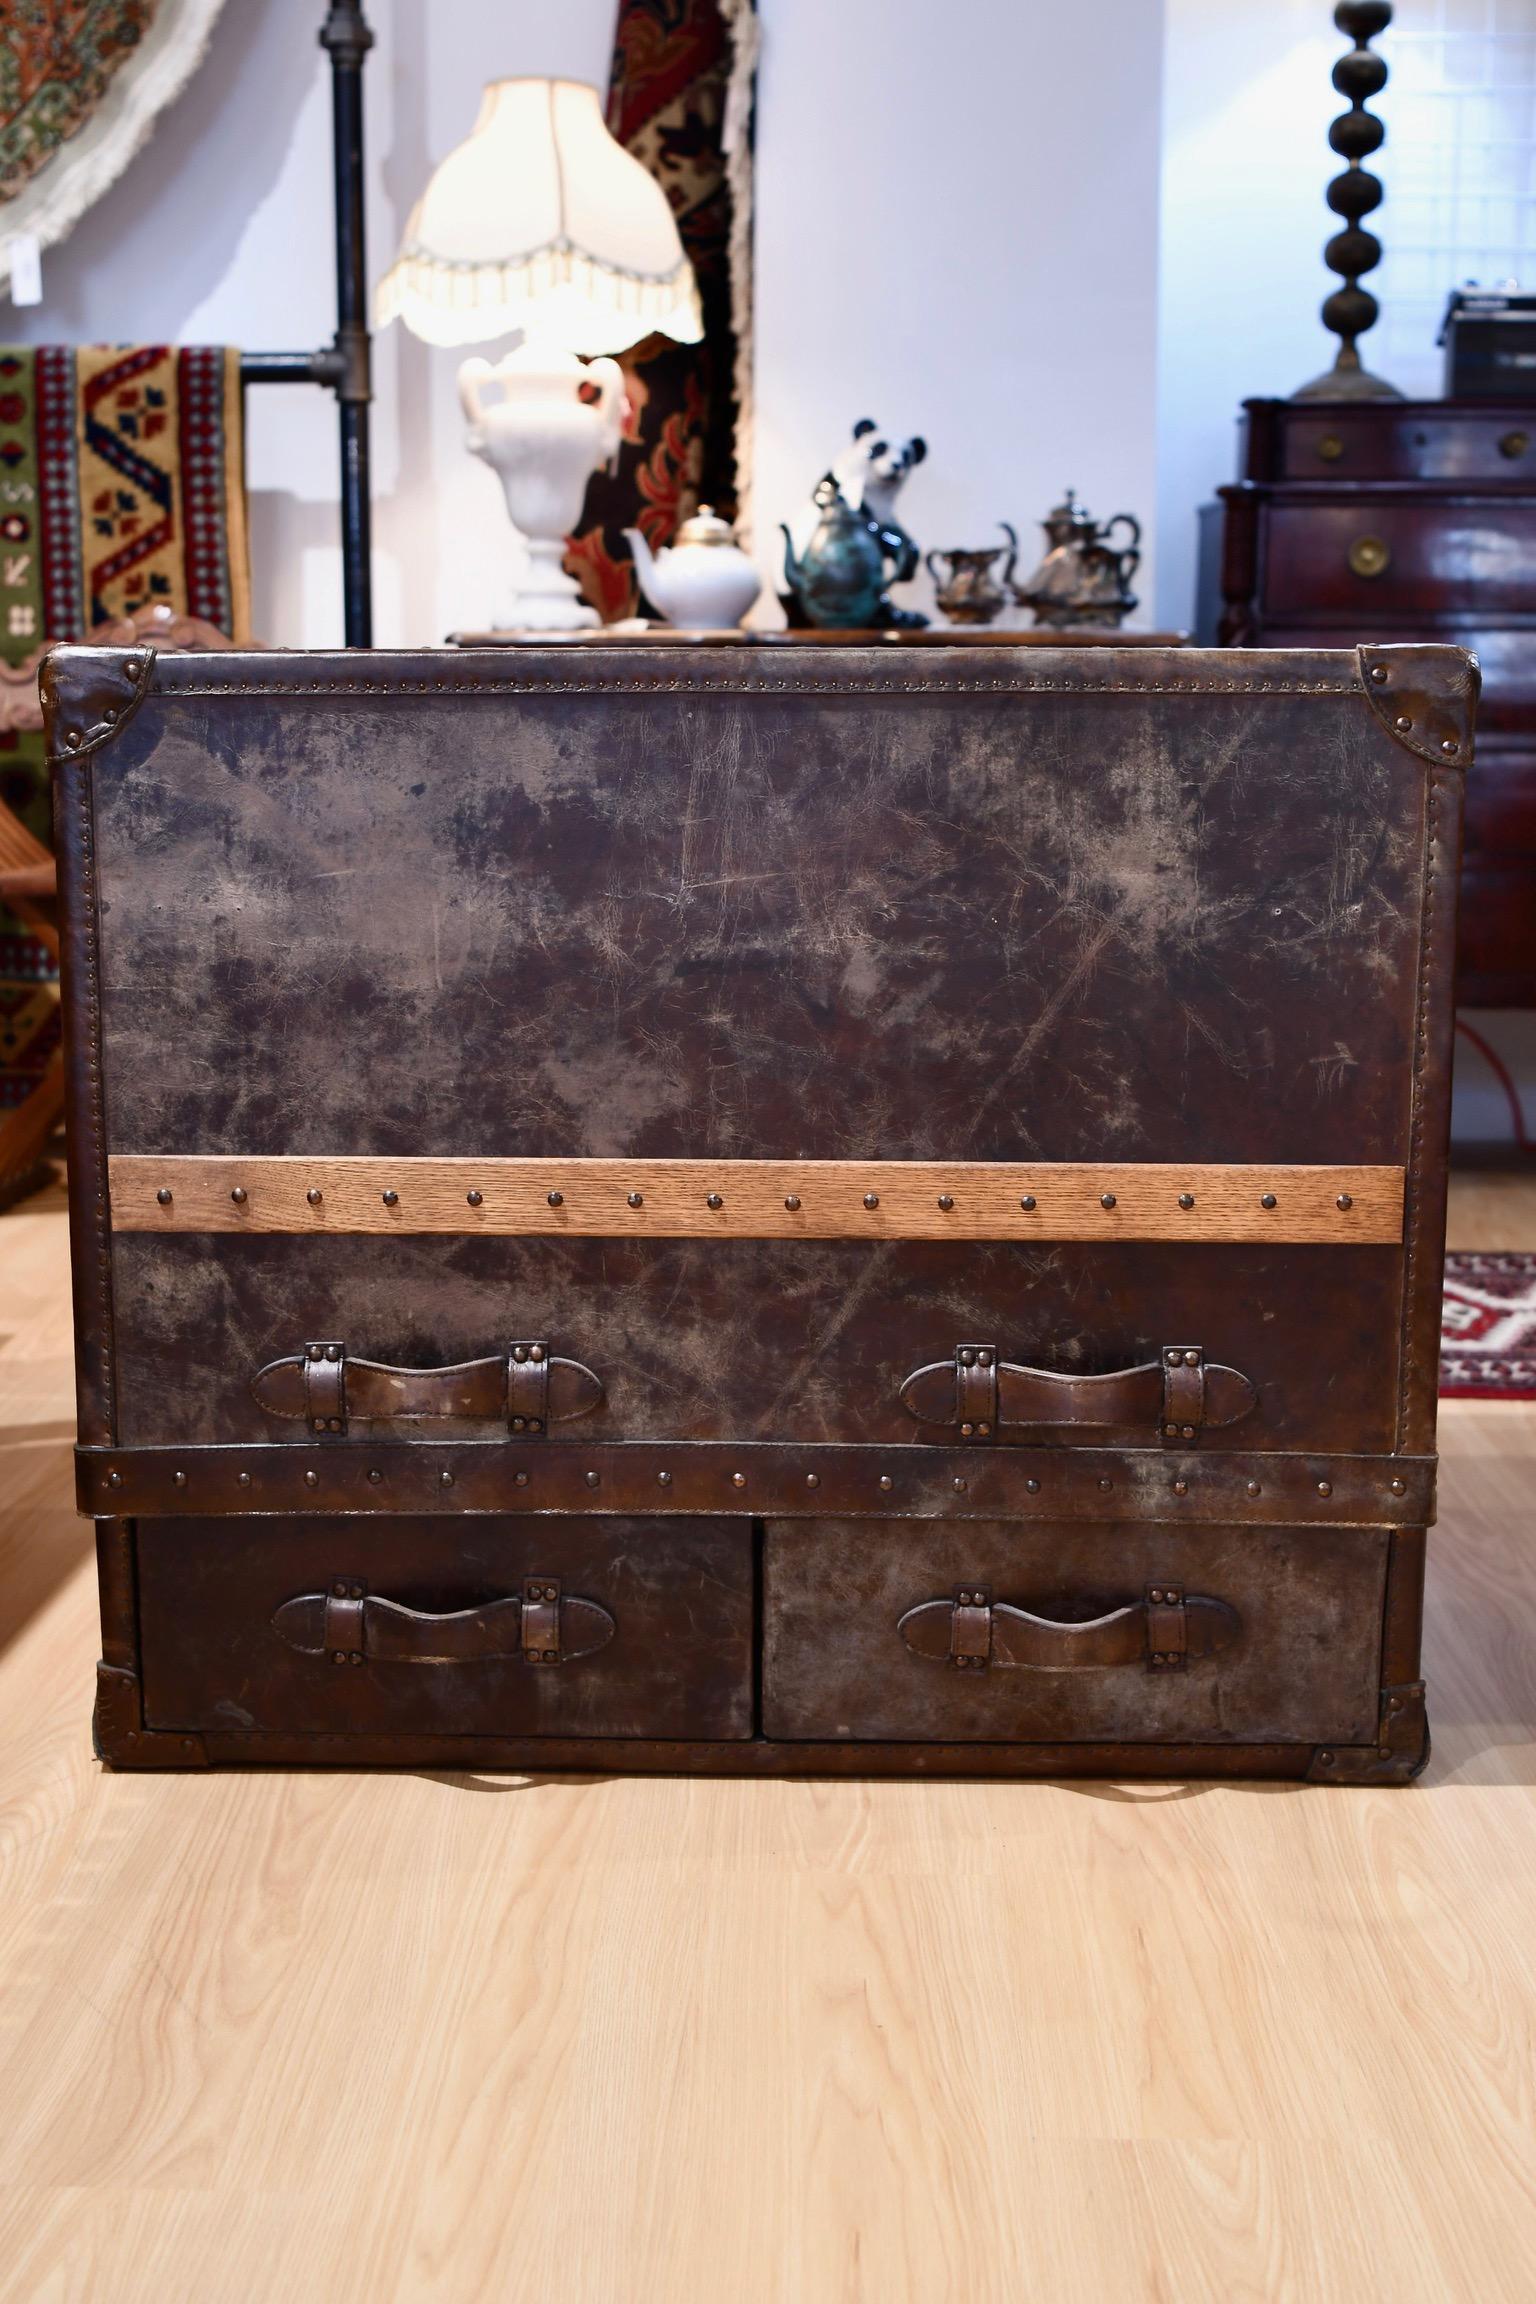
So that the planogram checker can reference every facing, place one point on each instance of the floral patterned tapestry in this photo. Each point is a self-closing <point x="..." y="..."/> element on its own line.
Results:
<point x="122" y="486"/>
<point x="668" y="103"/>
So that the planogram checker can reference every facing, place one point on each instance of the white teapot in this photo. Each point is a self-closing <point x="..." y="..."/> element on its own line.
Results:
<point x="704" y="581"/>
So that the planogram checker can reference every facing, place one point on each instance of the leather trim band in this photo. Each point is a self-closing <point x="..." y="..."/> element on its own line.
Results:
<point x="768" y="1479"/>
<point x="1278" y="1203"/>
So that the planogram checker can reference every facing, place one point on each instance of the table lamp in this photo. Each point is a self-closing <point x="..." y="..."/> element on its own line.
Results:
<point x="541" y="222"/>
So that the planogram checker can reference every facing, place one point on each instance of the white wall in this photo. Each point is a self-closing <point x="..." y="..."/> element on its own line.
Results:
<point x="957" y="236"/>
<point x="1245" y="163"/>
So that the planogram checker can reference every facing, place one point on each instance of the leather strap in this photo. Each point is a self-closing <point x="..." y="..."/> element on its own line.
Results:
<point x="350" y="1625"/>
<point x="1162" y="1632"/>
<point x="1178" y="1394"/>
<point x="525" y="1388"/>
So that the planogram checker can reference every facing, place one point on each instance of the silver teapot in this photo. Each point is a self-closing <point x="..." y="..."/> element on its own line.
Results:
<point x="1084" y="578"/>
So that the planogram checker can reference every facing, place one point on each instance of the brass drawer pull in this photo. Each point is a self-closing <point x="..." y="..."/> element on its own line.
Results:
<point x="1330" y="447"/>
<point x="1370" y="556"/>
<point x="1513" y="444"/>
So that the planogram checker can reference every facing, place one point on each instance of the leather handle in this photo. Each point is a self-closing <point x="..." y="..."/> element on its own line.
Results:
<point x="525" y="1387"/>
<point x="1163" y="1631"/>
<point x="541" y="1625"/>
<point x="1179" y="1393"/>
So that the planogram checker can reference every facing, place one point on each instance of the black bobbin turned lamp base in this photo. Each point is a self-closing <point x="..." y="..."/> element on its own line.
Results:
<point x="1350" y="310"/>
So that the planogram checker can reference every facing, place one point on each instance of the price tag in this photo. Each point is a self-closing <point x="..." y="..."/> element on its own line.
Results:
<point x="26" y="268"/>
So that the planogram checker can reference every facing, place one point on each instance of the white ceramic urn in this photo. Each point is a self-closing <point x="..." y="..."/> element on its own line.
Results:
<point x="544" y="421"/>
<point x="704" y="581"/>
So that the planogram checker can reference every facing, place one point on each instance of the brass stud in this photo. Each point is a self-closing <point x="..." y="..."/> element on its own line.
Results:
<point x="946" y="1201"/>
<point x="1254" y="1489"/>
<point x="447" y="1479"/>
<point x="555" y="1199"/>
<point x="961" y="1486"/>
<point x="1325" y="1759"/>
<point x="314" y="1195"/>
<point x="1344" y="1200"/>
<point x="333" y="1351"/>
<point x="374" y="1474"/>
<point x="1449" y="746"/>
<point x="356" y="1593"/>
<point x="792" y="1202"/>
<point x="1155" y="1597"/>
<point x="114" y="1479"/>
<point x="534" y="1425"/>
<point x="535" y="1353"/>
<point x="966" y="1430"/>
<point x="813" y="1479"/>
<point x="475" y="1199"/>
<point x="517" y="1423"/>
<point x="164" y="1195"/>
<point x="238" y="1195"/>
<point x="519" y="1479"/>
<point x="968" y="1357"/>
<point x="1402" y="724"/>
<point x="338" y="1656"/>
<point x="663" y="1479"/>
<point x="1399" y="1487"/>
<point x="1379" y="674"/>
<point x="1173" y="1359"/>
<point x="180" y="1479"/>
<point x="1325" y="1487"/>
<point x="738" y="1479"/>
<point x="1181" y="1487"/>
<point x="594" y="1479"/>
<point x="1186" y="1431"/>
<point x="335" y="1423"/>
<point x="1170" y="1431"/>
<point x="519" y="1352"/>
<point x="984" y="1359"/>
<point x="983" y="1431"/>
<point x="1191" y="1359"/>
<point x="1033" y="1487"/>
<point x="1105" y="1483"/>
<point x="1268" y="1200"/>
<point x="886" y="1483"/>
<point x="311" y="1479"/>
<point x="1026" y="1201"/>
<point x="713" y="1200"/>
<point x="636" y="1199"/>
<point x="871" y="1199"/>
<point x="1106" y="1200"/>
<point x="1186" y="1199"/>
<point x="242" y="1479"/>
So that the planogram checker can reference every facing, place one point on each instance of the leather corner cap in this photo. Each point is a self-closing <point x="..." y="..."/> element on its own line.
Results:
<point x="1425" y="696"/>
<point x="89" y="695"/>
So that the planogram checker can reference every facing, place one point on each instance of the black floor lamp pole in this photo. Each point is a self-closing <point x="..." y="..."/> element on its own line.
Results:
<point x="343" y="365"/>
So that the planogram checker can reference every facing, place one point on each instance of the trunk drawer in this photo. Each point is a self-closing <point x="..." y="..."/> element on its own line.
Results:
<point x="1294" y="1643"/>
<point x="650" y="1632"/>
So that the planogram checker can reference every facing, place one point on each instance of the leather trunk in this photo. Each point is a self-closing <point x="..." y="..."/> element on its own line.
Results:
<point x="856" y="1209"/>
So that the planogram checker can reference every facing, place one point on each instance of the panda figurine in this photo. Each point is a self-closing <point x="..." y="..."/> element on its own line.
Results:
<point x="870" y="475"/>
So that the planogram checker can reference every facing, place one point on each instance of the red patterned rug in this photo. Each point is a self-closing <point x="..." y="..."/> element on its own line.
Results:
<point x="1488" y="1330"/>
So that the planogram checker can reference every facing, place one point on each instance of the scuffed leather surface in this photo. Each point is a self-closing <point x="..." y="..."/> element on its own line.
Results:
<point x="1304" y="1665"/>
<point x="929" y="919"/>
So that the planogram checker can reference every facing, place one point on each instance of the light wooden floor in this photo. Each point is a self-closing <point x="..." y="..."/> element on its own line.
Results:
<point x="329" y="2037"/>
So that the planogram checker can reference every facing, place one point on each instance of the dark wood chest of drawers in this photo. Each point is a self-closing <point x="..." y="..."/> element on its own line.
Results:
<point x="1412" y="519"/>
